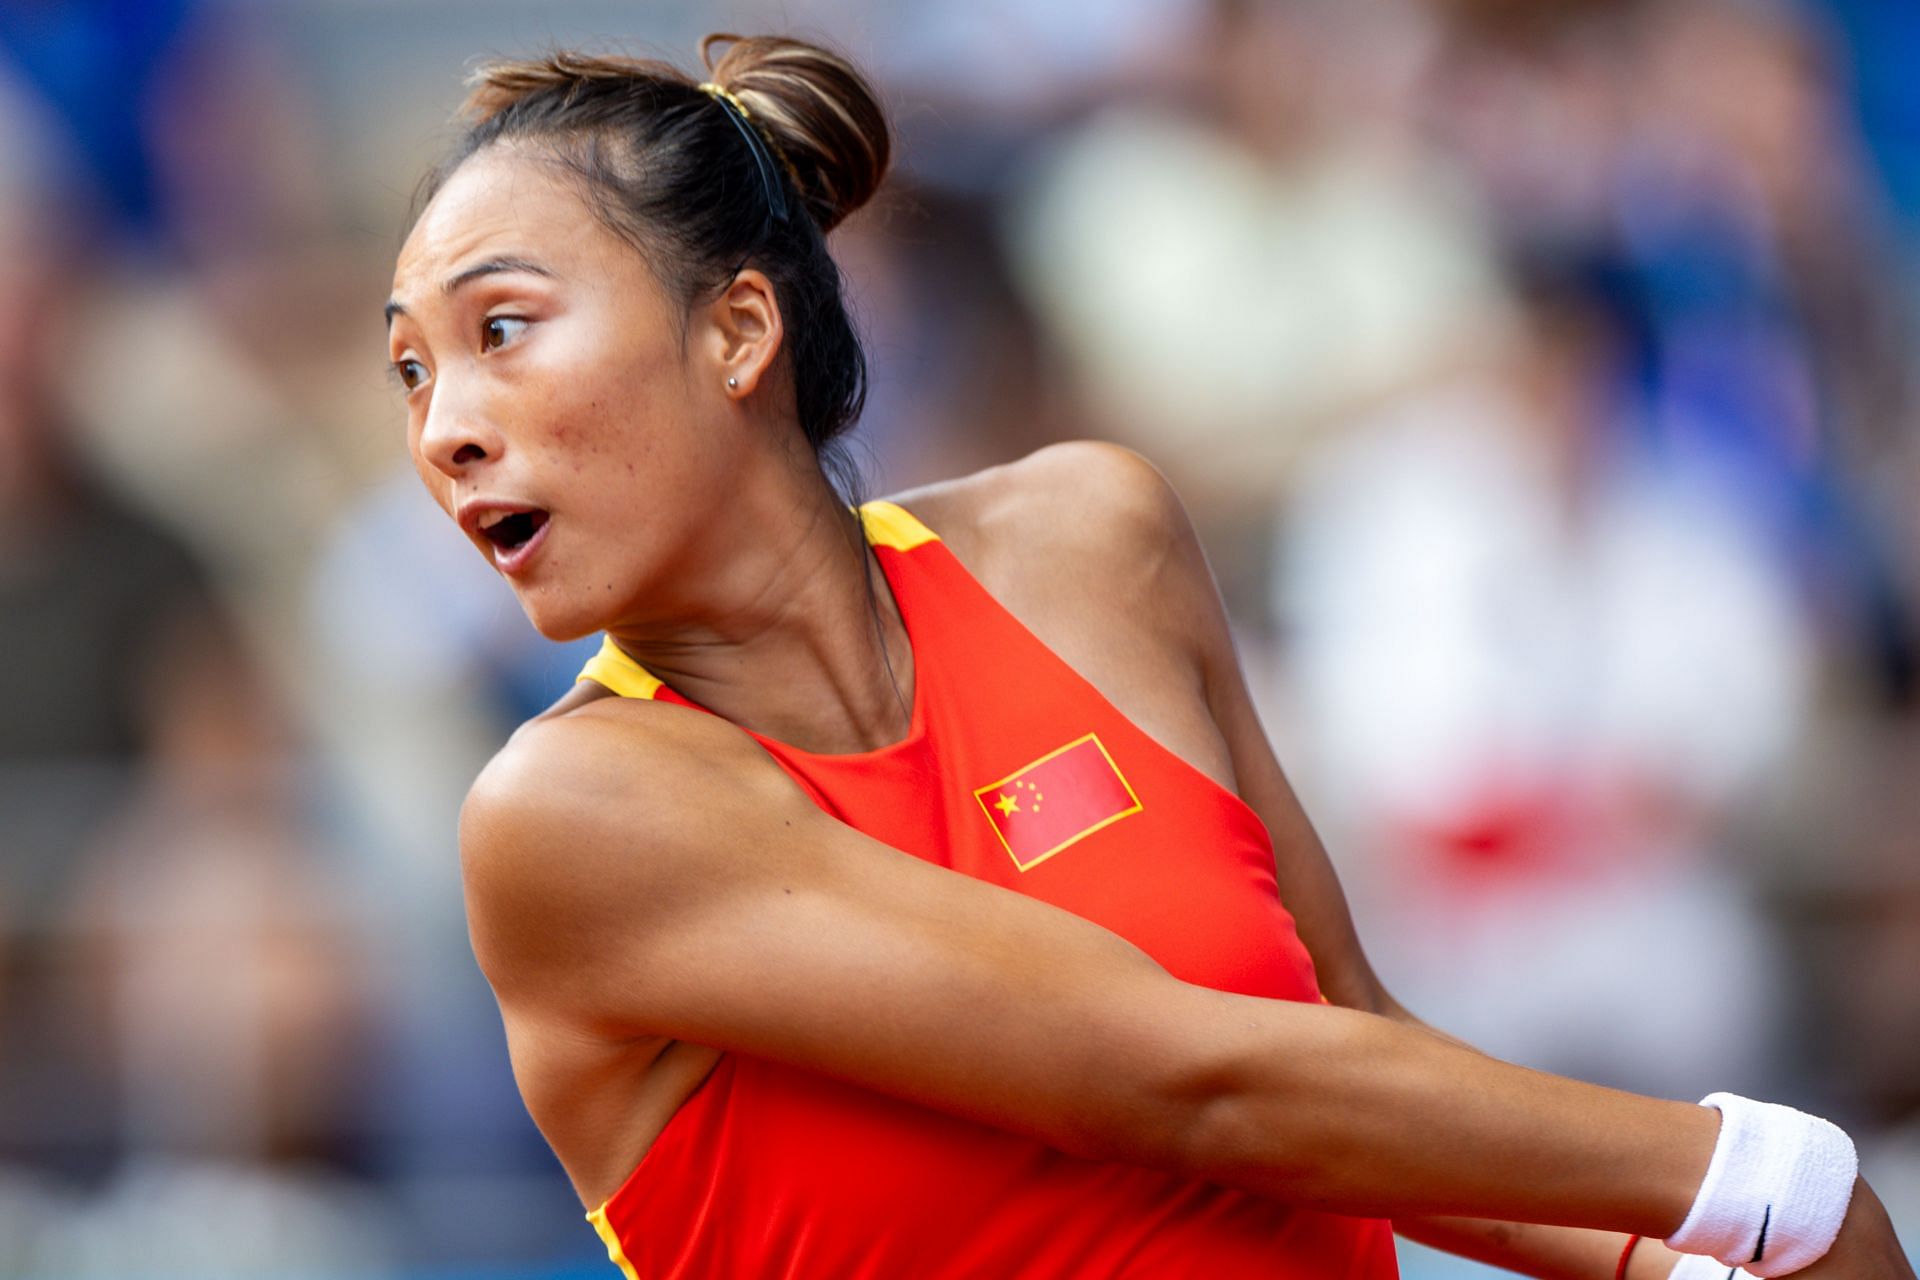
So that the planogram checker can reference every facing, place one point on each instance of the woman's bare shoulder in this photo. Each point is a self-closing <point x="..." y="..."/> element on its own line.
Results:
<point x="1076" y="499"/>
<point x="634" y="792"/>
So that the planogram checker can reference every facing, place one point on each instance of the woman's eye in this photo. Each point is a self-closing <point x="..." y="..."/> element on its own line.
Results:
<point x="498" y="331"/>
<point x="410" y="372"/>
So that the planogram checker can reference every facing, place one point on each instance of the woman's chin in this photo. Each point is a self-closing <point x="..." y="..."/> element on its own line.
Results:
<point x="561" y="625"/>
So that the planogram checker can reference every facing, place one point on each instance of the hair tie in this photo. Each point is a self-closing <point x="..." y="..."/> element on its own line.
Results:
<point x="1626" y="1256"/>
<point x="761" y="143"/>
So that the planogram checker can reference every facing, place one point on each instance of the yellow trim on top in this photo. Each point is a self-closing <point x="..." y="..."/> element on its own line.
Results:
<point x="980" y="796"/>
<point x="613" y="668"/>
<point x="615" y="1254"/>
<point x="890" y="525"/>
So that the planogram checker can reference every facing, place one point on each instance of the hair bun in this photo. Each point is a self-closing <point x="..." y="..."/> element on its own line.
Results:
<point x="822" y="112"/>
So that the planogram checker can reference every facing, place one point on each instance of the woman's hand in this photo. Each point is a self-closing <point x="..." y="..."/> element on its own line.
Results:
<point x="1866" y="1248"/>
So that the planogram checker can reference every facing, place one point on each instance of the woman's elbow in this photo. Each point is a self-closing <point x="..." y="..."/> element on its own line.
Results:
<point x="1259" y="1107"/>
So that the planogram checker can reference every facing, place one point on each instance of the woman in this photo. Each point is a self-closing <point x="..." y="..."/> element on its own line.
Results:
<point x="887" y="882"/>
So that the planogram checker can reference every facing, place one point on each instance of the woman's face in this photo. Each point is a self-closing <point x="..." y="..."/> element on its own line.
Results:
<point x="551" y="408"/>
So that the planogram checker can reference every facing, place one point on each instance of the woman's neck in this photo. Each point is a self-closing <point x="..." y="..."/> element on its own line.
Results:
<point x="788" y="627"/>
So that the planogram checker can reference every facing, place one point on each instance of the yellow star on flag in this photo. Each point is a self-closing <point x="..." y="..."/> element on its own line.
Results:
<point x="1007" y="804"/>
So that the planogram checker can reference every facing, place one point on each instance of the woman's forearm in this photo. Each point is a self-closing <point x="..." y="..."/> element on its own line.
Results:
<point x="1358" y="1114"/>
<point x="1528" y="1248"/>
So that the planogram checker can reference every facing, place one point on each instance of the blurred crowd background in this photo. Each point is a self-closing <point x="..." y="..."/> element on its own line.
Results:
<point x="1541" y="374"/>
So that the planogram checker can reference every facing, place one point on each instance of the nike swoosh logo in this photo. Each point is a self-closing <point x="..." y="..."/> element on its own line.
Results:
<point x="1761" y="1248"/>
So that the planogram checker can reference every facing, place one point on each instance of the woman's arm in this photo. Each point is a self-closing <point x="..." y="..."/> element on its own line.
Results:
<point x="642" y="869"/>
<point x="1311" y="889"/>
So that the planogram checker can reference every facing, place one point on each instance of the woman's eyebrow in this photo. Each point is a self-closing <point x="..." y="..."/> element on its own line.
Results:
<point x="491" y="267"/>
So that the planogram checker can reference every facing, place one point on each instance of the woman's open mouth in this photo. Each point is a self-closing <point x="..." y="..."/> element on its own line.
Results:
<point x="515" y="536"/>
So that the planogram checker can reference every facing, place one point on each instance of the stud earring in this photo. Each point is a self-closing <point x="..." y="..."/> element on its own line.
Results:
<point x="733" y="382"/>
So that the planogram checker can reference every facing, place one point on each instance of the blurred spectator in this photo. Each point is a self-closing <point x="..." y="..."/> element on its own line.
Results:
<point x="1231" y="271"/>
<point x="106" y="609"/>
<point x="1699" y="148"/>
<point x="177" y="1009"/>
<point x="1535" y="674"/>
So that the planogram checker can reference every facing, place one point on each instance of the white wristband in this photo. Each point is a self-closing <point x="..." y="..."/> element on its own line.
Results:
<point x="1775" y="1192"/>
<point x="1697" y="1266"/>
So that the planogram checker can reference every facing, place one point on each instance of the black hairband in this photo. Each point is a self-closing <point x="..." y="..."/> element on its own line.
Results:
<point x="763" y="150"/>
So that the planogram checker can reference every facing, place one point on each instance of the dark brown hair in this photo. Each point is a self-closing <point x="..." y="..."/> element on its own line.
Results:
<point x="666" y="166"/>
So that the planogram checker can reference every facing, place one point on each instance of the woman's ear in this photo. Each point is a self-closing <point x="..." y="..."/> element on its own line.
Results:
<point x="747" y="331"/>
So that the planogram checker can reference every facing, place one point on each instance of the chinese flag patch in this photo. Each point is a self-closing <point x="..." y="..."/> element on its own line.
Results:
<point x="1058" y="800"/>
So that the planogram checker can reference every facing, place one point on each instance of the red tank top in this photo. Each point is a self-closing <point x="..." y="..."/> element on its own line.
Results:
<point x="1017" y="771"/>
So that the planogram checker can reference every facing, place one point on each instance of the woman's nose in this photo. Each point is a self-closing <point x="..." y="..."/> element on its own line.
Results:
<point x="455" y="435"/>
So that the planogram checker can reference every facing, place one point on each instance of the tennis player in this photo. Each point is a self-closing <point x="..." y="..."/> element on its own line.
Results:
<point x="908" y="889"/>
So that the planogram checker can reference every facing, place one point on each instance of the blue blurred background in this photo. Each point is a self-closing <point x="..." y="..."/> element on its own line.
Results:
<point x="1541" y="375"/>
